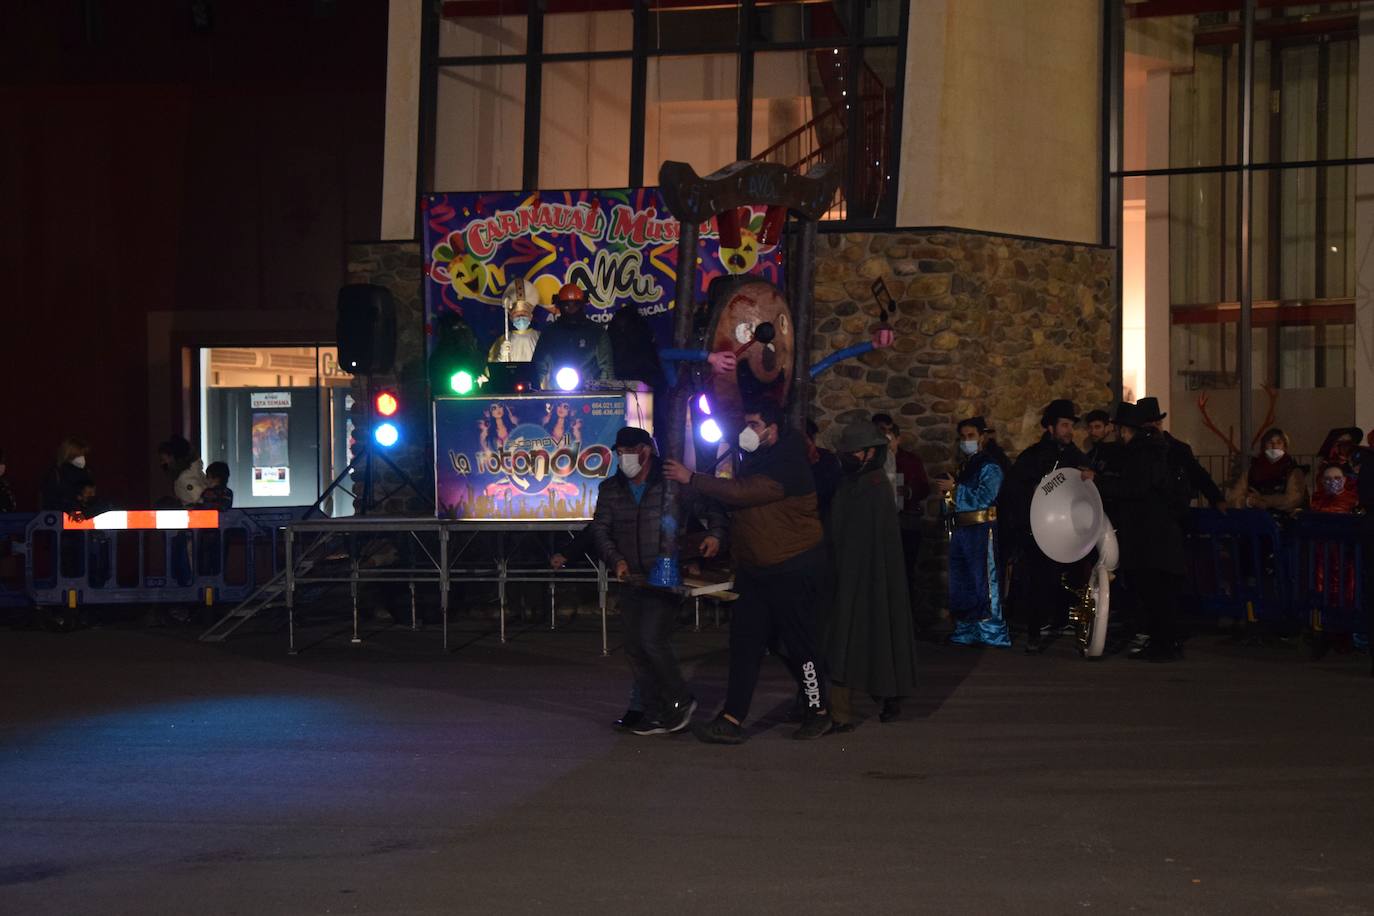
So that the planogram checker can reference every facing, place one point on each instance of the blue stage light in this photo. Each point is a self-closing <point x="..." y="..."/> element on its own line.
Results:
<point x="566" y="378"/>
<point x="710" y="431"/>
<point x="386" y="434"/>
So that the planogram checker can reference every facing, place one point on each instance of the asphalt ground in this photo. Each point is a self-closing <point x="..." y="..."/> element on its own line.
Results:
<point x="144" y="772"/>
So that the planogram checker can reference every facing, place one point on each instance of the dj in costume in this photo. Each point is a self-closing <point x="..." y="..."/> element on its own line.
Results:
<point x="574" y="341"/>
<point x="975" y="599"/>
<point x="518" y="345"/>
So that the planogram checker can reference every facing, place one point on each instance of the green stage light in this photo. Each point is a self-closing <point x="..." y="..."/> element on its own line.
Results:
<point x="461" y="382"/>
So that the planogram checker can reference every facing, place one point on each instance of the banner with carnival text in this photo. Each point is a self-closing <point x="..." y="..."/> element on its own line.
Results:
<point x="618" y="245"/>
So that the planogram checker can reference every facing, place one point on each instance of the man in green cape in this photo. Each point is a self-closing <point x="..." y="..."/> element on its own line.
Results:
<point x="869" y="641"/>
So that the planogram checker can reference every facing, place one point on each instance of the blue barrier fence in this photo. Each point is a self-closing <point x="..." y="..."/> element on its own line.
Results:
<point x="1244" y="564"/>
<point x="1305" y="571"/>
<point x="202" y="566"/>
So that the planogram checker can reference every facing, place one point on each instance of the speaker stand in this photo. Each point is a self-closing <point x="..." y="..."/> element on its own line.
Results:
<point x="365" y="504"/>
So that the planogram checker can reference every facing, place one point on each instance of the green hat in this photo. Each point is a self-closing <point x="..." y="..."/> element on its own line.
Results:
<point x="859" y="435"/>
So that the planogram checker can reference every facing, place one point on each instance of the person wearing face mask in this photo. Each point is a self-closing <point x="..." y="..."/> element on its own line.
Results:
<point x="975" y="593"/>
<point x="65" y="486"/>
<point x="625" y="533"/>
<point x="1336" y="492"/>
<point x="867" y="633"/>
<point x="517" y="346"/>
<point x="1274" y="481"/>
<point x="1038" y="580"/>
<point x="573" y="341"/>
<point x="779" y="566"/>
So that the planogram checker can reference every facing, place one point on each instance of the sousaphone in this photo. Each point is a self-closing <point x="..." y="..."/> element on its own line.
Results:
<point x="1068" y="522"/>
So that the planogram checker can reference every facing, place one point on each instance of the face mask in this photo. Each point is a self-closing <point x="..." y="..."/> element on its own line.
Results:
<point x="521" y="324"/>
<point x="630" y="465"/>
<point x="1273" y="454"/>
<point x="1334" y="485"/>
<point x="748" y="439"/>
<point x="968" y="446"/>
<point x="79" y="461"/>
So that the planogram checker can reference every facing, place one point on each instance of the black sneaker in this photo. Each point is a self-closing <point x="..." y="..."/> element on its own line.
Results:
<point x="629" y="720"/>
<point x="892" y="709"/>
<point x="654" y="726"/>
<point x="679" y="715"/>
<point x="817" y="726"/>
<point x="719" y="730"/>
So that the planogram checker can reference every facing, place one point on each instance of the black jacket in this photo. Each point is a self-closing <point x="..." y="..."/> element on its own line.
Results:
<point x="1182" y="460"/>
<point x="622" y="529"/>
<point x="1013" y="504"/>
<point x="62" y="488"/>
<point x="1147" y="526"/>
<point x="574" y="341"/>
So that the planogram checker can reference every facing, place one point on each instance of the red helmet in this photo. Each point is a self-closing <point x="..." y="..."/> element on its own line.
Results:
<point x="571" y="292"/>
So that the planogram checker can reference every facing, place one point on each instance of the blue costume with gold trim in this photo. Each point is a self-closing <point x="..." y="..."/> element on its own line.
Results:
<point x="975" y="599"/>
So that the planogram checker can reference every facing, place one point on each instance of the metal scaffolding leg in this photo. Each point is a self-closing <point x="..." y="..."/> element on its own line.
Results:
<point x="602" y="586"/>
<point x="443" y="582"/>
<point x="290" y="595"/>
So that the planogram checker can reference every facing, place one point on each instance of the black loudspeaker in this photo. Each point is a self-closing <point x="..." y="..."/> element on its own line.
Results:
<point x="366" y="329"/>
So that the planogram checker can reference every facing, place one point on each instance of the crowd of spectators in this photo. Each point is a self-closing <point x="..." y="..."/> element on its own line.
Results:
<point x="69" y="485"/>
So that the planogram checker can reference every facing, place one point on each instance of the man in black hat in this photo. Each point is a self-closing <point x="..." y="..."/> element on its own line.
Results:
<point x="1037" y="579"/>
<point x="1182" y="462"/>
<point x="1148" y="527"/>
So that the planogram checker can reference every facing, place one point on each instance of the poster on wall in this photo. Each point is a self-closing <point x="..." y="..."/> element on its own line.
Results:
<point x="271" y="470"/>
<point x="618" y="245"/>
<point x="528" y="458"/>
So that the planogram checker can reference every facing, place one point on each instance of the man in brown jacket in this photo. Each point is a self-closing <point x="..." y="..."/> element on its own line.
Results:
<point x="779" y="567"/>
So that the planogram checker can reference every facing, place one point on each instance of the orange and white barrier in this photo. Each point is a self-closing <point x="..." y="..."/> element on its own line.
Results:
<point x="149" y="520"/>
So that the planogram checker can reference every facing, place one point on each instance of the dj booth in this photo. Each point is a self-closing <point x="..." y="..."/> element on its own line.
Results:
<point x="511" y="472"/>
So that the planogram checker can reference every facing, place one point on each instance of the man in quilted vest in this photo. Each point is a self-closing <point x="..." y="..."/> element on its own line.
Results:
<point x="625" y="534"/>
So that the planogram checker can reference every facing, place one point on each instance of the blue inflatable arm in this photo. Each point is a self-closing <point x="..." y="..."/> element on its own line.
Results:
<point x="840" y="356"/>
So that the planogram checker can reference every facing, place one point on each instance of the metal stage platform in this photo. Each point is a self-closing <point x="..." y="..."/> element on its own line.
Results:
<point x="442" y="546"/>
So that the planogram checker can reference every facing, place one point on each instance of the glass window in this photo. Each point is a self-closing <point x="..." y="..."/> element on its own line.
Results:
<point x="480" y="140"/>
<point x="485" y="28"/>
<point x="800" y="20"/>
<point x="877" y="90"/>
<point x="1201" y="264"/>
<point x="882" y="18"/>
<point x="691" y="111"/>
<point x="277" y="417"/>
<point x="578" y="25"/>
<point x="1198" y="99"/>
<point x="674" y="26"/>
<point x="584" y="125"/>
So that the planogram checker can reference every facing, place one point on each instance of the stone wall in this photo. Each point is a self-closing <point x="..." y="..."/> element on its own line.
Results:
<point x="984" y="325"/>
<point x="398" y="266"/>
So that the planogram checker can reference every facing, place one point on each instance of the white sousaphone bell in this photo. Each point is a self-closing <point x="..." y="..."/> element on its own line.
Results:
<point x="1068" y="521"/>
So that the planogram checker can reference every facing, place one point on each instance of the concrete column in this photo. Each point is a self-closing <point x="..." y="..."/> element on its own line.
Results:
<point x="1158" y="380"/>
<point x="402" y="136"/>
<point x="1364" y="230"/>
